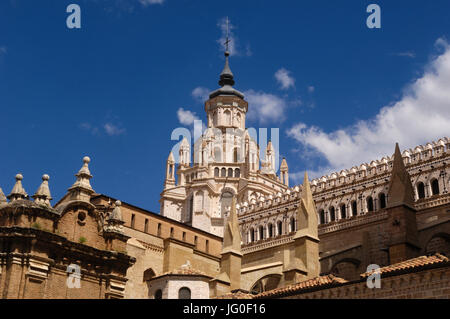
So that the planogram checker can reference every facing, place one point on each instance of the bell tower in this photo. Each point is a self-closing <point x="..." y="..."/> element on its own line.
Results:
<point x="226" y="107"/>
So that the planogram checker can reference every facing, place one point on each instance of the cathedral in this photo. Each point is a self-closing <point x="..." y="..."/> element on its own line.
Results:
<point x="226" y="165"/>
<point x="231" y="226"/>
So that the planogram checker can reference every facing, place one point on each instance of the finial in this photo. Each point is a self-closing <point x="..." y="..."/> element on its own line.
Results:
<point x="82" y="182"/>
<point x="43" y="195"/>
<point x="226" y="77"/>
<point x="18" y="192"/>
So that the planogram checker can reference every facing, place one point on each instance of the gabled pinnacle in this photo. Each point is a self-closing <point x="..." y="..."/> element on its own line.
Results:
<point x="284" y="165"/>
<point x="232" y="236"/>
<point x="171" y="158"/>
<point x="400" y="188"/>
<point x="83" y="177"/>
<point x="42" y="195"/>
<point x="18" y="192"/>
<point x="306" y="213"/>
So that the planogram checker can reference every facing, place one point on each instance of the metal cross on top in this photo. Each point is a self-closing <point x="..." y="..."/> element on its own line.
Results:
<point x="227" y="40"/>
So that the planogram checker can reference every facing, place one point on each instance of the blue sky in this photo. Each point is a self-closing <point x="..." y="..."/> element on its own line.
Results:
<point x="340" y="93"/>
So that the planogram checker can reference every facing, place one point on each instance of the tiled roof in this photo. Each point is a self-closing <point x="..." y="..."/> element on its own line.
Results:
<point x="322" y="281"/>
<point x="236" y="295"/>
<point x="411" y="264"/>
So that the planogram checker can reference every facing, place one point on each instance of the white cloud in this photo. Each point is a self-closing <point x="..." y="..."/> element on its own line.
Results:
<point x="112" y="129"/>
<point x="265" y="107"/>
<point x="201" y="93"/>
<point x="150" y="2"/>
<point x="186" y="117"/>
<point x="311" y="89"/>
<point x="3" y="50"/>
<point x="284" y="78"/>
<point x="422" y="114"/>
<point x="407" y="54"/>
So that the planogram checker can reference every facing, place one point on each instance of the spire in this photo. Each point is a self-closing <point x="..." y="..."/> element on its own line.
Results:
<point x="83" y="176"/>
<point x="400" y="187"/>
<point x="226" y="76"/>
<point x="43" y="195"/>
<point x="306" y="214"/>
<point x="81" y="190"/>
<point x="284" y="165"/>
<point x="232" y="236"/>
<point x="171" y="159"/>
<point x="18" y="192"/>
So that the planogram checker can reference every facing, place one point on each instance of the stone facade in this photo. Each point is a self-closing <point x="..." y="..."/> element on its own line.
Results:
<point x="229" y="222"/>
<point x="69" y="251"/>
<point x="226" y="163"/>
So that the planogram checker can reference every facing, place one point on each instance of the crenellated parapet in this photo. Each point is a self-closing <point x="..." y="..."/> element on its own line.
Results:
<point x="420" y="155"/>
<point x="343" y="199"/>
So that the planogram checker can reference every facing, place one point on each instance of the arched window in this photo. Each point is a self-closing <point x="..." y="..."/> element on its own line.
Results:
<point x="235" y="155"/>
<point x="332" y="214"/>
<point x="238" y="119"/>
<point x="279" y="228"/>
<point x="292" y="224"/>
<point x="225" y="201"/>
<point x="223" y="172"/>
<point x="237" y="172"/>
<point x="354" y="208"/>
<point x="215" y="118"/>
<point x="184" y="293"/>
<point x="216" y="172"/>
<point x="343" y="211"/>
<point x="270" y="229"/>
<point x="261" y="232"/>
<point x="252" y="235"/>
<point x="158" y="294"/>
<point x="230" y="172"/>
<point x="370" y="204"/>
<point x="227" y="118"/>
<point x="382" y="199"/>
<point x="421" y="190"/>
<point x="322" y="217"/>
<point x="435" y="187"/>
